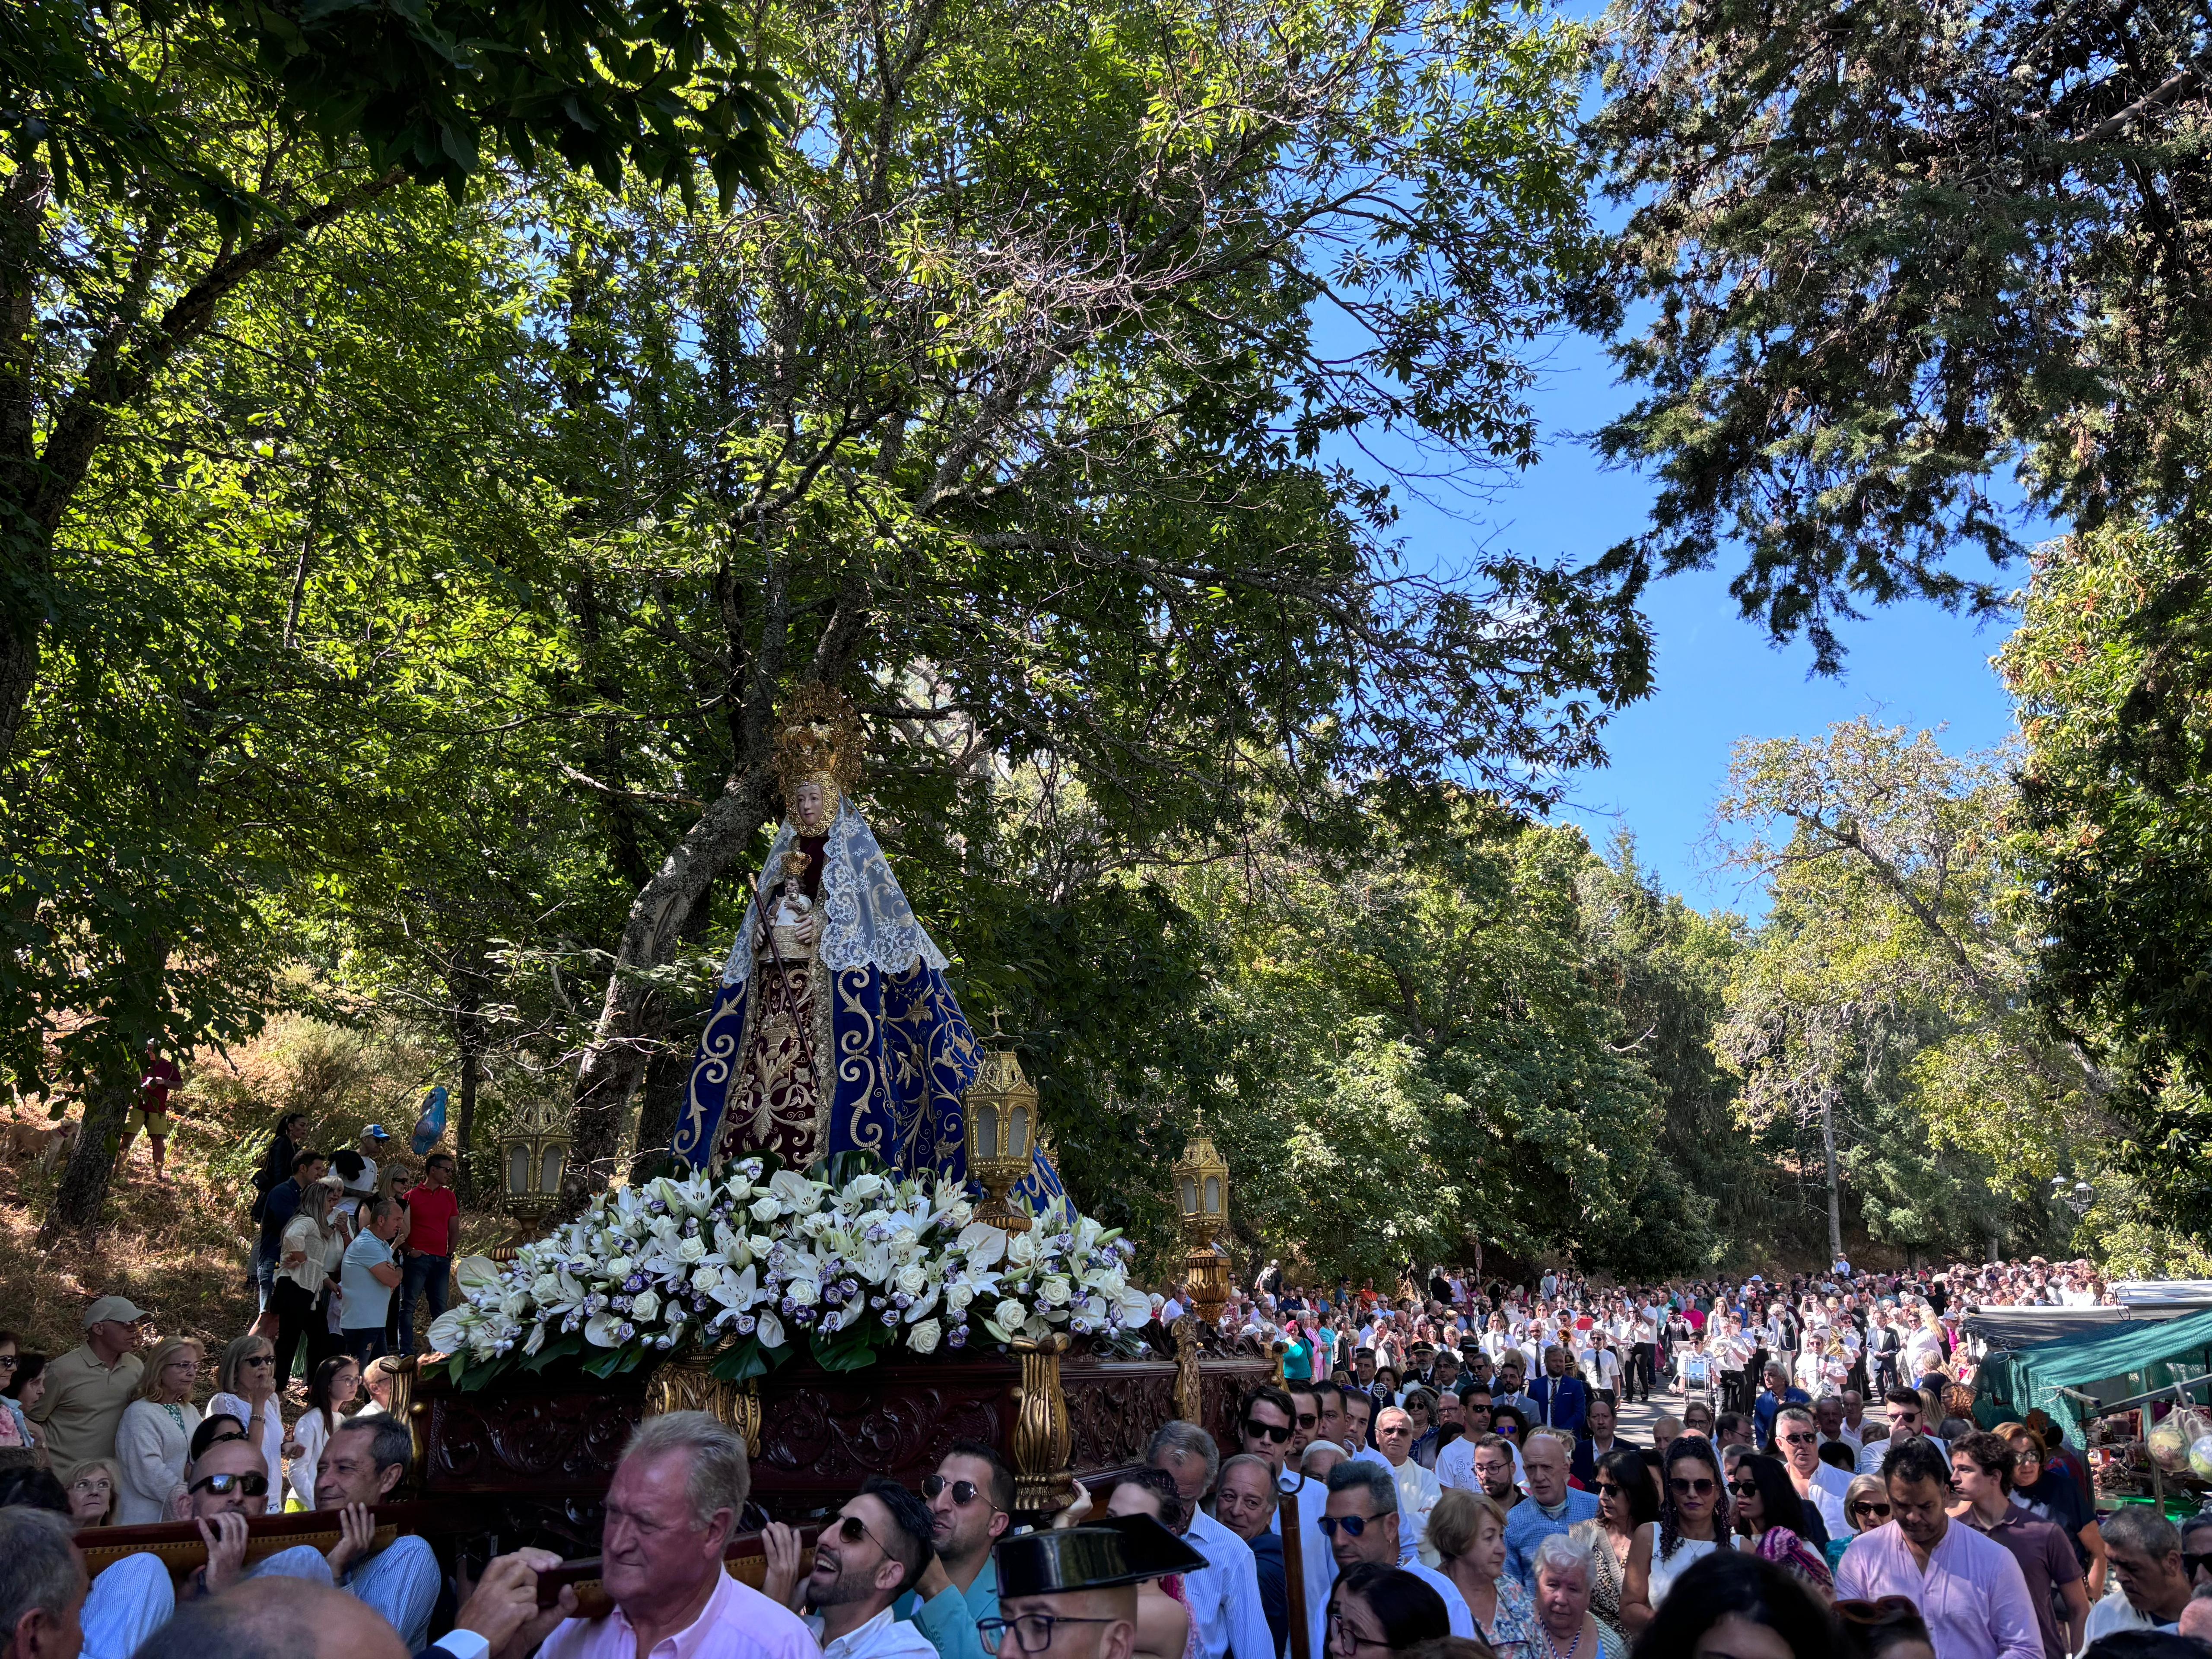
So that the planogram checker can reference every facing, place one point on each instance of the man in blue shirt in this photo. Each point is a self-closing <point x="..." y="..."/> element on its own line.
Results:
<point x="1552" y="1506"/>
<point x="275" y="1210"/>
<point x="1780" y="1392"/>
<point x="971" y="1504"/>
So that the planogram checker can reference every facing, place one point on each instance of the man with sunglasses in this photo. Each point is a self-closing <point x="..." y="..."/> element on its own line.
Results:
<point x="1265" y="1410"/>
<point x="1822" y="1486"/>
<point x="864" y="1559"/>
<point x="1908" y="1419"/>
<point x="971" y="1503"/>
<point x="1361" y="1523"/>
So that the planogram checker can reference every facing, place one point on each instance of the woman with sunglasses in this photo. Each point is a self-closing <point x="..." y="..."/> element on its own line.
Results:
<point x="1626" y="1501"/>
<point x="245" y="1387"/>
<point x="1467" y="1531"/>
<point x="154" y="1440"/>
<point x="22" y="1381"/>
<point x="1866" y="1506"/>
<point x="1693" y="1520"/>
<point x="2051" y="1495"/>
<point x="1375" y="1609"/>
<point x="1765" y="1499"/>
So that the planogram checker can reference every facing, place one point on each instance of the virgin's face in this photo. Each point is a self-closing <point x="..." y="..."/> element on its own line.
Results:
<point x="809" y="804"/>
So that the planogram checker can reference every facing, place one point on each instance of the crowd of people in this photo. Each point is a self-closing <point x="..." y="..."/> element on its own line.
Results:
<point x="1442" y="1473"/>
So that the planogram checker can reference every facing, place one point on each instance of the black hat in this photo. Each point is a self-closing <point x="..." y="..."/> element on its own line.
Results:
<point x="1121" y="1549"/>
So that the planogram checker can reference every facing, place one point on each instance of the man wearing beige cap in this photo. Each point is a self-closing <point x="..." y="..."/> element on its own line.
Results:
<point x="87" y="1388"/>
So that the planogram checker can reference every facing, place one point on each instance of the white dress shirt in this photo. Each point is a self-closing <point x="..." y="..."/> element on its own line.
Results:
<point x="884" y="1637"/>
<point x="1224" y="1595"/>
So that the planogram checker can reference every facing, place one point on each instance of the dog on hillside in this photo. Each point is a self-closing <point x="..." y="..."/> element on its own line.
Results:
<point x="46" y="1144"/>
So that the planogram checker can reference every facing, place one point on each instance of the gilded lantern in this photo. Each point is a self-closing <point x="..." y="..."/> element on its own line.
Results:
<point x="1201" y="1180"/>
<point x="1001" y="1113"/>
<point x="533" y="1155"/>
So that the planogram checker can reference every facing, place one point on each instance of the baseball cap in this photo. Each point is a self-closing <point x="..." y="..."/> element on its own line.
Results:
<point x="116" y="1308"/>
<point x="377" y="1132"/>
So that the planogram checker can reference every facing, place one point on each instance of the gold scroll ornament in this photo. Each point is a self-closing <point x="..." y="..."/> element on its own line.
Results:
<point x="1043" y="1438"/>
<point x="688" y="1384"/>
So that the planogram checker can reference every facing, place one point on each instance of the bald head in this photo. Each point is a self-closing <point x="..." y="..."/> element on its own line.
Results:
<point x="275" y="1619"/>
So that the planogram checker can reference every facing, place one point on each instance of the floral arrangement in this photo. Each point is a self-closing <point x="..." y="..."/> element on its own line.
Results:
<point x="754" y="1263"/>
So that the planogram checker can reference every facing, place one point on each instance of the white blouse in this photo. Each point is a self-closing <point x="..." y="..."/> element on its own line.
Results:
<point x="272" y="1438"/>
<point x="150" y="1449"/>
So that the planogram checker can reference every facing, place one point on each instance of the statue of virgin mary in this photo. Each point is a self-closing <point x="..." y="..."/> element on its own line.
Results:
<point x="833" y="1029"/>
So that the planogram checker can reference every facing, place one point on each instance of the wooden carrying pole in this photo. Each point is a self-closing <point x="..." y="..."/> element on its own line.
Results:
<point x="1294" y="1568"/>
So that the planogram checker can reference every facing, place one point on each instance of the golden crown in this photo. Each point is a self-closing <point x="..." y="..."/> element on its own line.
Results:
<point x="817" y="736"/>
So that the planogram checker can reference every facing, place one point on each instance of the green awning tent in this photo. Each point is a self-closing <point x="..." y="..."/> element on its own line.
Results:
<point x="2109" y="1361"/>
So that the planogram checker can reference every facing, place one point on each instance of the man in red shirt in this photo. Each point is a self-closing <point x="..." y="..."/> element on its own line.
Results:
<point x="151" y="1114"/>
<point x="434" y="1238"/>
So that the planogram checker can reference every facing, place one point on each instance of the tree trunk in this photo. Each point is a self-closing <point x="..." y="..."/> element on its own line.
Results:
<point x="614" y="1062"/>
<point x="82" y="1192"/>
<point x="1835" y="1184"/>
<point x="468" y="1037"/>
<point x="669" y="1068"/>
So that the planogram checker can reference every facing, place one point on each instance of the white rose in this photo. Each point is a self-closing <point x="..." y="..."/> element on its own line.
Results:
<point x="691" y="1251"/>
<point x="803" y="1291"/>
<point x="958" y="1294"/>
<point x="912" y="1277"/>
<point x="923" y="1337"/>
<point x="1054" y="1292"/>
<point x="1022" y="1249"/>
<point x="620" y="1267"/>
<point x="514" y="1305"/>
<point x="765" y="1210"/>
<point x="704" y="1280"/>
<point x="645" y="1306"/>
<point x="546" y="1287"/>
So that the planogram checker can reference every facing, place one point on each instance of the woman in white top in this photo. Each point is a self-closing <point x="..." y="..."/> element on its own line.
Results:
<point x="154" y="1438"/>
<point x="336" y="1380"/>
<point x="306" y="1273"/>
<point x="1694" y="1519"/>
<point x="247" y="1391"/>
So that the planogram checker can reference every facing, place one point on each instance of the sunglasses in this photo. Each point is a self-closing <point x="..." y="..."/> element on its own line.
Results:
<point x="1307" y="1419"/>
<point x="1686" y="1487"/>
<point x="1801" y="1438"/>
<point x="1605" y="1486"/>
<point x="253" y="1486"/>
<point x="1744" y="1489"/>
<point x="964" y="1493"/>
<point x="852" y="1529"/>
<point x="1867" y="1506"/>
<point x="1353" y="1525"/>
<point x="259" y="1359"/>
<point x="7" y="1361"/>
<point x="1277" y="1432"/>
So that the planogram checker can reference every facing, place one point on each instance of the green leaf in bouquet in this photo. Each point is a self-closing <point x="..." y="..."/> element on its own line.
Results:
<point x="604" y="1362"/>
<point x="740" y="1362"/>
<point x="559" y="1348"/>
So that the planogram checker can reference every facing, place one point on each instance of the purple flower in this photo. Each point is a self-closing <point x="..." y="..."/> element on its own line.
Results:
<point x="959" y="1337"/>
<point x="890" y="1316"/>
<point x="745" y="1324"/>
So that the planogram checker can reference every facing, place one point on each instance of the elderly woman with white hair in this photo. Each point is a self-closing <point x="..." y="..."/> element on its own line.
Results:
<point x="1565" y="1628"/>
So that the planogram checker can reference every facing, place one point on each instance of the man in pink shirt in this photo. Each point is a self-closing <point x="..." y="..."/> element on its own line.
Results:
<point x="1968" y="1587"/>
<point x="674" y="1501"/>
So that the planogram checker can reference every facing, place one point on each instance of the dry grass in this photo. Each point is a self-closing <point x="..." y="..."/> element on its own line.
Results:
<point x="181" y="1251"/>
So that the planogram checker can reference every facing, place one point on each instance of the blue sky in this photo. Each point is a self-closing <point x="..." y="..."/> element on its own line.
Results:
<point x="1718" y="678"/>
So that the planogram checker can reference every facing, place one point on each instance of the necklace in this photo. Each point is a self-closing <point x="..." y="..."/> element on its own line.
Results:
<point x="1553" y="1647"/>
